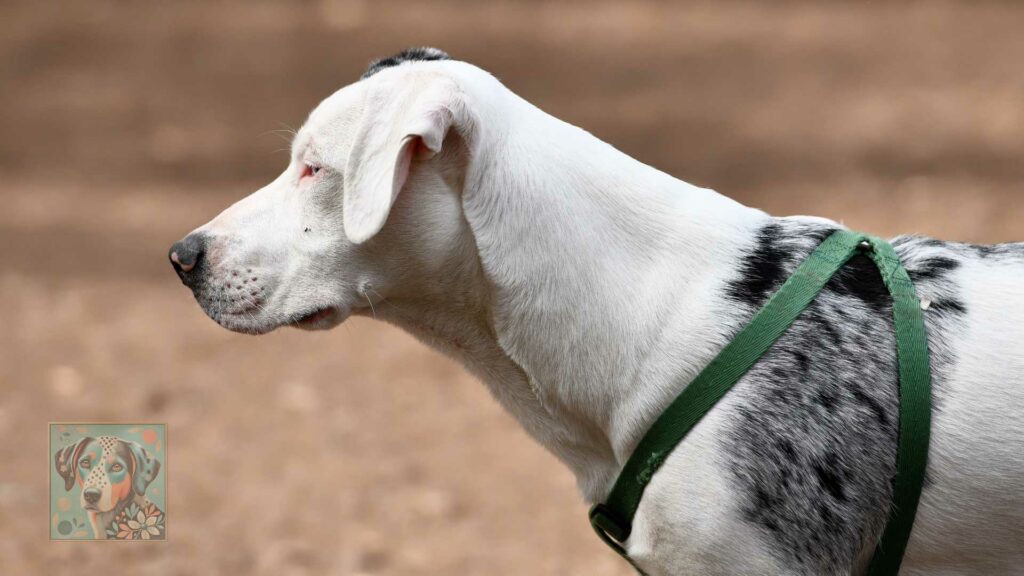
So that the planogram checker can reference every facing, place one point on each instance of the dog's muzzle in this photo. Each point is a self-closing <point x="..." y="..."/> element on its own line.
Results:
<point x="91" y="496"/>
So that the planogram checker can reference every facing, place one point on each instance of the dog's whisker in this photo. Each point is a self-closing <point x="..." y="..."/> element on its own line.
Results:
<point x="287" y="128"/>
<point x="285" y="135"/>
<point x="385" y="300"/>
<point x="370" y="302"/>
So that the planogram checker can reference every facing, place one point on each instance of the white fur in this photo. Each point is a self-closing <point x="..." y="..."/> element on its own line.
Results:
<point x="580" y="285"/>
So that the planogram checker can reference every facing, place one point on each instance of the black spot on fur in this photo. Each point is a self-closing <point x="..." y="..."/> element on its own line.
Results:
<point x="932" y="269"/>
<point x="422" y="53"/>
<point x="872" y="405"/>
<point x="826" y="399"/>
<point x="763" y="270"/>
<point x="824" y="327"/>
<point x="985" y="250"/>
<point x="802" y="360"/>
<point x="786" y="447"/>
<point x="1013" y="251"/>
<point x="949" y="305"/>
<point x="830" y="476"/>
<point x="861" y="279"/>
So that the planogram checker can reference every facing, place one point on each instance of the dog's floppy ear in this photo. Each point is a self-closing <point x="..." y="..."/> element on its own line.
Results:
<point x="66" y="460"/>
<point x="146" y="467"/>
<point x="402" y="119"/>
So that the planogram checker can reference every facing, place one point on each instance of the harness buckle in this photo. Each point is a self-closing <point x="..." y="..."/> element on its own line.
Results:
<point x="607" y="526"/>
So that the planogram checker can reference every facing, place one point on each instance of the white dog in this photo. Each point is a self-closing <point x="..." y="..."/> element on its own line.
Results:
<point x="586" y="289"/>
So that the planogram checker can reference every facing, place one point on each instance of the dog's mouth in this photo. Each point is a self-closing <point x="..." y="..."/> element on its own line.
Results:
<point x="319" y="319"/>
<point x="254" y="323"/>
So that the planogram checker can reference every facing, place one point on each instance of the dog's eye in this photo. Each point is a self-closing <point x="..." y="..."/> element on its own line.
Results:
<point x="116" y="468"/>
<point x="310" y="170"/>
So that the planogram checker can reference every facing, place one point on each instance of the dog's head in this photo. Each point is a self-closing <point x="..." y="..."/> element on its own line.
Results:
<point x="108" y="469"/>
<point x="311" y="247"/>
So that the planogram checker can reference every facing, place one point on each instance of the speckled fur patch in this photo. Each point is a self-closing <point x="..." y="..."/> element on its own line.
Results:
<point x="811" y="444"/>
<point x="407" y="55"/>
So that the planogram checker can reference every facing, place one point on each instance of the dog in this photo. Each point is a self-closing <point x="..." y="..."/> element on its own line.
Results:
<point x="586" y="289"/>
<point x="113" y="474"/>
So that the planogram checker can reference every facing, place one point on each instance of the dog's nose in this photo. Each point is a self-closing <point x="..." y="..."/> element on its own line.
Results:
<point x="91" y="495"/>
<point x="187" y="257"/>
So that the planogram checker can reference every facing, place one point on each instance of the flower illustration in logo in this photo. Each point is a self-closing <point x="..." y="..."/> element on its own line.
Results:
<point x="134" y="523"/>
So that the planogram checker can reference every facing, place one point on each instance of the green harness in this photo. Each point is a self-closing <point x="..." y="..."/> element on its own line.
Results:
<point x="613" y="520"/>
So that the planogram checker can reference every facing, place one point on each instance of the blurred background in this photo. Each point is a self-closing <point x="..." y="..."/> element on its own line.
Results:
<point x="359" y="451"/>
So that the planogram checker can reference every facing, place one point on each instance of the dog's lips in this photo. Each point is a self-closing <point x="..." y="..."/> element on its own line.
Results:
<point x="317" y="318"/>
<point x="246" y="323"/>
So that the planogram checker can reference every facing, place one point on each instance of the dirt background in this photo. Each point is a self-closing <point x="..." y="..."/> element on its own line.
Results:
<point x="360" y="451"/>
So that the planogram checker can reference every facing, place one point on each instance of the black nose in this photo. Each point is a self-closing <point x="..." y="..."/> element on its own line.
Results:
<point x="91" y="495"/>
<point x="187" y="257"/>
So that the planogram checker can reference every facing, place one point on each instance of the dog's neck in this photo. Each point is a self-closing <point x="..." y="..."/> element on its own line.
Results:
<point x="588" y="296"/>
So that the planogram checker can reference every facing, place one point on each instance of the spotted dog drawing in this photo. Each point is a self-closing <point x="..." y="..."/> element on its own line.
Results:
<point x="110" y="473"/>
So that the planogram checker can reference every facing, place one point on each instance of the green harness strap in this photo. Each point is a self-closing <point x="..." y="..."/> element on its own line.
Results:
<point x="613" y="519"/>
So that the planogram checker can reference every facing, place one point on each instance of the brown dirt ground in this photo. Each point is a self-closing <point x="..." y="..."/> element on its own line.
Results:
<point x="360" y="451"/>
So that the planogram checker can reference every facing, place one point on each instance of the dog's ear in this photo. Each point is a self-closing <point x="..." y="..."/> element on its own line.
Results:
<point x="402" y="120"/>
<point x="66" y="461"/>
<point x="146" y="467"/>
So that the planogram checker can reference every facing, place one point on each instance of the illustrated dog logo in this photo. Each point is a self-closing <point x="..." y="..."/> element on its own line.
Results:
<point x="110" y="473"/>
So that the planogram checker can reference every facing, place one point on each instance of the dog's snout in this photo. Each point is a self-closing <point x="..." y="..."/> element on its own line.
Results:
<point x="91" y="495"/>
<point x="186" y="256"/>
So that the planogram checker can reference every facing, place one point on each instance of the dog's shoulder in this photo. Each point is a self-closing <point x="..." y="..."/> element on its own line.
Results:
<point x="811" y="448"/>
